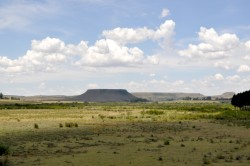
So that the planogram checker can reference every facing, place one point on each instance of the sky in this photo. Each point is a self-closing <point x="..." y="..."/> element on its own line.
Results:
<point x="64" y="47"/>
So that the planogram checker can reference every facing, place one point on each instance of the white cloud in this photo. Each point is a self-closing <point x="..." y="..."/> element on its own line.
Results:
<point x="50" y="54"/>
<point x="165" y="33"/>
<point x="113" y="50"/>
<point x="4" y="61"/>
<point x="233" y="78"/>
<point x="218" y="77"/>
<point x="165" y="13"/>
<point x="110" y="53"/>
<point x="246" y="57"/>
<point x="247" y="44"/>
<point x="128" y="35"/>
<point x="212" y="45"/>
<point x="244" y="68"/>
<point x="222" y="65"/>
<point x="45" y="55"/>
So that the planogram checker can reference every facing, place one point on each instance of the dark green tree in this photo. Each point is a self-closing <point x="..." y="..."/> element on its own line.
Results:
<point x="241" y="100"/>
<point x="1" y="95"/>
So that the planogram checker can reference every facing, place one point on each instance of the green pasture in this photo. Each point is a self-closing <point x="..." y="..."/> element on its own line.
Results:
<point x="171" y="133"/>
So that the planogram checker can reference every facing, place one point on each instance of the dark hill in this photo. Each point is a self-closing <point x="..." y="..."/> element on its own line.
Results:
<point x="106" y="95"/>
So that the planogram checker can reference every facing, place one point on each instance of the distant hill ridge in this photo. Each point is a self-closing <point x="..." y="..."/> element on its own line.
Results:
<point x="226" y="95"/>
<point x="154" y="96"/>
<point x="121" y="95"/>
<point x="106" y="95"/>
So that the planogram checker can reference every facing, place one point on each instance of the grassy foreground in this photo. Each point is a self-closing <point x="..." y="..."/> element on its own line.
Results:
<point x="173" y="133"/>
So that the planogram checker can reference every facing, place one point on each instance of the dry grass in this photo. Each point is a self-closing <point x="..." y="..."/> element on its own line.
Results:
<point x="120" y="134"/>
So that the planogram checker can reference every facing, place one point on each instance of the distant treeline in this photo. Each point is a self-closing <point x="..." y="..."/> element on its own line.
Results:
<point x="9" y="98"/>
<point x="43" y="105"/>
<point x="241" y="100"/>
<point x="197" y="98"/>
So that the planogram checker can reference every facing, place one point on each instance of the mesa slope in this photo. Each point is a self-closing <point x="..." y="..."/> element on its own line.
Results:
<point x="106" y="95"/>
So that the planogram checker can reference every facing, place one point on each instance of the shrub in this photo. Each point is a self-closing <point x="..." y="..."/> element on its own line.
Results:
<point x="36" y="126"/>
<point x="166" y="142"/>
<point x="4" y="150"/>
<point x="101" y="116"/>
<point x="71" y="124"/>
<point x="220" y="156"/>
<point x="160" y="158"/>
<point x="206" y="161"/>
<point x="60" y="125"/>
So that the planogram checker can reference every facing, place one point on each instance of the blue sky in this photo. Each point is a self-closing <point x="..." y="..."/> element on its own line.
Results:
<point x="65" y="47"/>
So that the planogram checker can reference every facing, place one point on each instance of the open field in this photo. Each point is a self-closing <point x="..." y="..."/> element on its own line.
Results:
<point x="172" y="133"/>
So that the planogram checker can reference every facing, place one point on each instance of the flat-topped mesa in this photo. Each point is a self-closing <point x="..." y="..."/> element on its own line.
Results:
<point x="106" y="95"/>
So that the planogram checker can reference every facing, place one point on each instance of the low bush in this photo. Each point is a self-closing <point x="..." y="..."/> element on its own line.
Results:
<point x="71" y="124"/>
<point x="4" y="150"/>
<point x="166" y="142"/>
<point x="36" y="126"/>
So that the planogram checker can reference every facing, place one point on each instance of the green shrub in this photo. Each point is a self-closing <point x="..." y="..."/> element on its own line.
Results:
<point x="220" y="156"/>
<point x="36" y="126"/>
<point x="71" y="124"/>
<point x="166" y="142"/>
<point x="4" y="150"/>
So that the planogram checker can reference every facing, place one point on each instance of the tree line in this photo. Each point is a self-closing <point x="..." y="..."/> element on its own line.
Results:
<point x="241" y="100"/>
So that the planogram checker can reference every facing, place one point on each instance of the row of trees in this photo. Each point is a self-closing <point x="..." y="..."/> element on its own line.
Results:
<point x="241" y="100"/>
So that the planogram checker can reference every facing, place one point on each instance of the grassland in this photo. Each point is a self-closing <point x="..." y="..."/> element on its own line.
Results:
<point x="172" y="133"/>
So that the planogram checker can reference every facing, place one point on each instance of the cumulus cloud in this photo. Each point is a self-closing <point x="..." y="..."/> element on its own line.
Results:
<point x="218" y="77"/>
<point x="110" y="53"/>
<point x="243" y="68"/>
<point x="164" y="13"/>
<point x="43" y="56"/>
<point x="247" y="44"/>
<point x="128" y="35"/>
<point x="222" y="65"/>
<point x="113" y="49"/>
<point x="49" y="54"/>
<point x="212" y="45"/>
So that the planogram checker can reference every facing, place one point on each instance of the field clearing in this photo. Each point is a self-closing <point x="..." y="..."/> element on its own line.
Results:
<point x="173" y="133"/>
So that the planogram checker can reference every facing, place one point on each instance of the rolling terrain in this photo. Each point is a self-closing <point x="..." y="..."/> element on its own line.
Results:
<point x="122" y="95"/>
